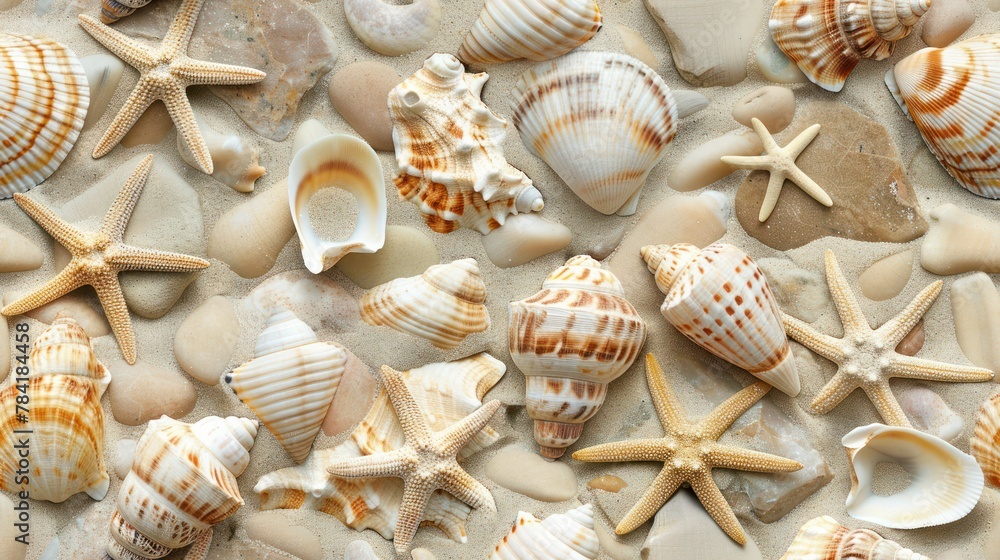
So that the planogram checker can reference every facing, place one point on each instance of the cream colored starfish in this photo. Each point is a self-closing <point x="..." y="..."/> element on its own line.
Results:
<point x="99" y="256"/>
<point x="689" y="452"/>
<point x="780" y="163"/>
<point x="866" y="357"/>
<point x="426" y="461"/>
<point x="165" y="73"/>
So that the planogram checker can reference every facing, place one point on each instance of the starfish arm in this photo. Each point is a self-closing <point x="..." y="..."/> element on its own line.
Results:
<point x="832" y="394"/>
<point x="392" y="463"/>
<point x="736" y="458"/>
<point x="65" y="282"/>
<point x="411" y="513"/>
<point x="411" y="418"/>
<point x="746" y="162"/>
<point x="843" y="298"/>
<point x="625" y="451"/>
<point x="199" y="550"/>
<point x="886" y="404"/>
<point x="181" y="113"/>
<point x="116" y="220"/>
<point x="826" y="346"/>
<point x="719" y="420"/>
<point x="202" y="72"/>
<point x="60" y="230"/>
<point x="668" y="409"/>
<point x="178" y="36"/>
<point x="716" y="505"/>
<point x="799" y="144"/>
<point x="663" y="486"/>
<point x="140" y="99"/>
<point x="132" y="52"/>
<point x="901" y="325"/>
<point x="928" y="370"/>
<point x="455" y="437"/>
<point x="774" y="184"/>
<point x="126" y="257"/>
<point x="770" y="146"/>
<point x="109" y="291"/>
<point x="460" y="484"/>
<point x="809" y="186"/>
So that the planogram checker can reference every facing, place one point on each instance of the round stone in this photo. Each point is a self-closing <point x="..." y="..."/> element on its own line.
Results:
<point x="774" y="106"/>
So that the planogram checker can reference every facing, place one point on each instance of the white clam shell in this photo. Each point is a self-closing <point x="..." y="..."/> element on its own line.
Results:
<point x="561" y="536"/>
<point x="822" y="538"/>
<point x="392" y="29"/>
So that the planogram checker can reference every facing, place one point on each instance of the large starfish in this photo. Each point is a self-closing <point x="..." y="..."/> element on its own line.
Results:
<point x="689" y="451"/>
<point x="780" y="163"/>
<point x="99" y="256"/>
<point x="426" y="462"/>
<point x="165" y="73"/>
<point x="866" y="357"/>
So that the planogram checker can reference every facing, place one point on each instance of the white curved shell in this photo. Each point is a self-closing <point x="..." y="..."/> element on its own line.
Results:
<point x="393" y="29"/>
<point x="822" y="538"/>
<point x="561" y="536"/>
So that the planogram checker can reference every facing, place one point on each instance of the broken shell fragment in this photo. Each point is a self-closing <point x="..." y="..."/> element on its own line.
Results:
<point x="393" y="29"/>
<point x="563" y="536"/>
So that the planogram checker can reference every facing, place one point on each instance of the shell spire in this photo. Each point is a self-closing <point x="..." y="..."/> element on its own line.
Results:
<point x="564" y="536"/>
<point x="113" y="10"/>
<point x="824" y="538"/>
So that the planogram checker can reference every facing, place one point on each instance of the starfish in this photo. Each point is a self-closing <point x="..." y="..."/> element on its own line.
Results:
<point x="164" y="74"/>
<point x="426" y="462"/>
<point x="98" y="257"/>
<point x="780" y="163"/>
<point x="866" y="357"/>
<point x="689" y="452"/>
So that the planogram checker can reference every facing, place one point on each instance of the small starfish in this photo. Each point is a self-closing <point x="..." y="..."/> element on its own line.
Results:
<point x="165" y="73"/>
<point x="866" y="357"/>
<point x="780" y="163"/>
<point x="689" y="452"/>
<point x="99" y="256"/>
<point x="426" y="461"/>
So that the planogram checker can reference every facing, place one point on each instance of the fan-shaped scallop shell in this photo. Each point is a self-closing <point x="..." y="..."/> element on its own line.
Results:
<point x="827" y="38"/>
<point x="983" y="443"/>
<point x="822" y="538"/>
<point x="291" y="381"/>
<point x="570" y="340"/>
<point x="448" y="149"/>
<point x="114" y="10"/>
<point x="562" y="536"/>
<point x="720" y="300"/>
<point x="44" y="96"/>
<point x="600" y="120"/>
<point x="65" y="444"/>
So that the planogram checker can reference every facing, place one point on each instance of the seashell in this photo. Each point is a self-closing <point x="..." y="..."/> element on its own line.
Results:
<point x="570" y="340"/>
<point x="561" y="536"/>
<point x="64" y="382"/>
<point x="393" y="29"/>
<point x="347" y="163"/>
<point x="290" y="382"/>
<point x="234" y="160"/>
<point x="533" y="29"/>
<point x="443" y="305"/>
<point x="114" y="10"/>
<point x="448" y="149"/>
<point x="983" y="443"/>
<point x="822" y="538"/>
<point x="182" y="482"/>
<point x="951" y="95"/>
<point x="44" y="93"/>
<point x="945" y="484"/>
<point x="600" y="120"/>
<point x="742" y="324"/>
<point x="827" y="38"/>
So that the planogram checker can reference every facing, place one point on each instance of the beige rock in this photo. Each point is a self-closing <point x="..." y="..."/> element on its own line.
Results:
<point x="946" y="21"/>
<point x="772" y="105"/>
<point x="607" y="242"/>
<point x="151" y="127"/>
<point x="913" y="341"/>
<point x="703" y="165"/>
<point x="17" y="253"/>
<point x="682" y="529"/>
<point x="358" y="92"/>
<point x="801" y="293"/>
<point x="205" y="341"/>
<point x="775" y="66"/>
<point x="354" y="397"/>
<point x="530" y="474"/>
<point x="524" y="238"/>
<point x="421" y="554"/>
<point x="608" y="483"/>
<point x="124" y="454"/>
<point x="317" y="300"/>
<point x="960" y="242"/>
<point x="975" y="306"/>
<point x="359" y="550"/>
<point x="251" y="235"/>
<point x="104" y="71"/>
<point x="142" y="392"/>
<point x="5" y="344"/>
<point x="635" y="46"/>
<point x="886" y="277"/>
<point x="277" y="530"/>
<point x="9" y="548"/>
<point x="83" y="308"/>
<point x="407" y="252"/>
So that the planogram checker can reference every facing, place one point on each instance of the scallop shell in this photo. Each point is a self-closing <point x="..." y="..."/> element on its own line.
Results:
<point x="393" y="29"/>
<point x="114" y="10"/>
<point x="533" y="29"/>
<point x="719" y="299"/>
<point x="822" y="538"/>
<point x="562" y="536"/>
<point x="448" y="149"/>
<point x="182" y="482"/>
<point x="570" y="340"/>
<point x="983" y="443"/>
<point x="945" y="484"/>
<point x="291" y="381"/>
<point x="827" y="38"/>
<point x="44" y="95"/>
<point x="64" y="385"/>
<point x="600" y="120"/>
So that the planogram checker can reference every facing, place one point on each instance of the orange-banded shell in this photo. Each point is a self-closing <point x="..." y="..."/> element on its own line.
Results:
<point x="113" y="10"/>
<point x="983" y="443"/>
<point x="561" y="536"/>
<point x="822" y="538"/>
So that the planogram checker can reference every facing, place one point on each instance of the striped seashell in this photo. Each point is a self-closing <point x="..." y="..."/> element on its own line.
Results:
<point x="822" y="538"/>
<point x="44" y="95"/>
<point x="562" y="536"/>
<point x="114" y="10"/>
<point x="570" y="340"/>
<point x="533" y="29"/>
<point x="601" y="121"/>
<point x="445" y="304"/>
<point x="983" y="443"/>
<point x="719" y="299"/>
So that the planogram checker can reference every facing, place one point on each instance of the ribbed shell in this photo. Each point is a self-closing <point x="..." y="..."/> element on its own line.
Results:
<point x="291" y="381"/>
<point x="43" y="101"/>
<point x="442" y="305"/>
<point x="113" y="10"/>
<point x="822" y="538"/>
<point x="983" y="443"/>
<point x="600" y="120"/>
<point x="562" y="536"/>
<point x="533" y="29"/>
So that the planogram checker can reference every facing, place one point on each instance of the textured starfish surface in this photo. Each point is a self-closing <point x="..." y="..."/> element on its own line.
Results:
<point x="98" y="257"/>
<point x="165" y="73"/>
<point x="426" y="462"/>
<point x="780" y="163"/>
<point x="867" y="357"/>
<point x="689" y="451"/>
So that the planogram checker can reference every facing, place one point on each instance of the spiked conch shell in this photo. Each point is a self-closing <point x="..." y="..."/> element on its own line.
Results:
<point x="562" y="536"/>
<point x="444" y="304"/>
<point x="600" y="120"/>
<point x="291" y="381"/>
<point x="44" y="96"/>
<point x="446" y="393"/>
<point x="570" y="340"/>
<point x="720" y="300"/>
<point x="983" y="443"/>
<point x="66" y="423"/>
<point x="827" y="38"/>
<point x="114" y="10"/>
<point x="448" y="149"/>
<point x="182" y="482"/>
<point x="822" y="538"/>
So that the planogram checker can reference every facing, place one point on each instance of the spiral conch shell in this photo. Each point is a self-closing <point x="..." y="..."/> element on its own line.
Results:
<point x="562" y="536"/>
<point x="63" y="428"/>
<point x="720" y="300"/>
<point x="182" y="482"/>
<point x="448" y="149"/>
<point x="827" y="38"/>
<point x="983" y="443"/>
<point x="822" y="538"/>
<point x="114" y="10"/>
<point x="570" y="340"/>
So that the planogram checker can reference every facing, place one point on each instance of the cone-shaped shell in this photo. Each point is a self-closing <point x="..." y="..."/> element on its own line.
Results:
<point x="562" y="536"/>
<point x="822" y="538"/>
<point x="742" y="324"/>
<point x="113" y="10"/>
<point x="44" y="95"/>
<point x="291" y="381"/>
<point x="570" y="340"/>
<point x="445" y="304"/>
<point x="600" y="120"/>
<point x="983" y="443"/>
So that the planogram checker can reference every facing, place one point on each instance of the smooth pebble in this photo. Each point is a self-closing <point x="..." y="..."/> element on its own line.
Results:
<point x="421" y="554"/>
<point x="946" y="21"/>
<point x="143" y="392"/>
<point x="359" y="550"/>
<point x="775" y="66"/>
<point x="9" y="548"/>
<point x="683" y="529"/>
<point x="774" y="106"/>
<point x="124" y="454"/>
<point x="407" y="252"/>
<point x="975" y="307"/>
<point x="104" y="71"/>
<point x="913" y="341"/>
<point x="636" y="47"/>
<point x="529" y="474"/>
<point x="277" y="530"/>
<point x="703" y="165"/>
<point x="959" y="241"/>
<point x="205" y="340"/>
<point x="75" y="305"/>
<point x="17" y="253"/>
<point x="929" y="412"/>
<point x="358" y="92"/>
<point x="524" y="238"/>
<point x="354" y="397"/>
<point x="608" y="483"/>
<point x="886" y="277"/>
<point x="251" y="235"/>
<point x="151" y="127"/>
